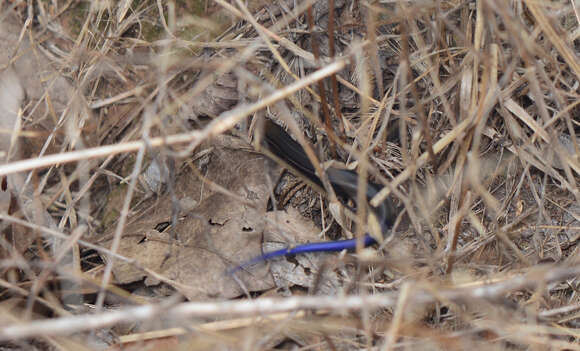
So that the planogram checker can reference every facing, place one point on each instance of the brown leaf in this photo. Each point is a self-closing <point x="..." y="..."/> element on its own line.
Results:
<point x="39" y="79"/>
<point x="218" y="234"/>
<point x="301" y="270"/>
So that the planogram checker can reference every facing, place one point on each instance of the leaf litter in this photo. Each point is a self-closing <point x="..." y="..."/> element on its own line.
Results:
<point x="213" y="232"/>
<point x="466" y="111"/>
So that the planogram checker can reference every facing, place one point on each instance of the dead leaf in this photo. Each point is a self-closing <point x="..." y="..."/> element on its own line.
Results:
<point x="11" y="97"/>
<point x="221" y="96"/>
<point x="29" y="74"/>
<point x="33" y="68"/>
<point x="213" y="237"/>
<point x="302" y="270"/>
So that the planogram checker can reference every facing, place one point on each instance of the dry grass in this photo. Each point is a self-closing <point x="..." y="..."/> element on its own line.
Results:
<point x="466" y="111"/>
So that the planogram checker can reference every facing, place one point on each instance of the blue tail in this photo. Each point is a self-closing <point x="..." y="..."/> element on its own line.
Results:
<point x="344" y="182"/>
<point x="328" y="246"/>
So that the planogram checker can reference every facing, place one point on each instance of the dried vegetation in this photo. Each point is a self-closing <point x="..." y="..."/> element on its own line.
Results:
<point x="130" y="184"/>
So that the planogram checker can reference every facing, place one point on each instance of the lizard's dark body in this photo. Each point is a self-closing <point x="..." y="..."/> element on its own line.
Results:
<point x="343" y="182"/>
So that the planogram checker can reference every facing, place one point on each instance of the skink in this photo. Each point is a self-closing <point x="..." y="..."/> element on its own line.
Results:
<point x="344" y="183"/>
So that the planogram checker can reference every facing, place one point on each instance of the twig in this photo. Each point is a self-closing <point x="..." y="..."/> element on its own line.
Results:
<point x="536" y="277"/>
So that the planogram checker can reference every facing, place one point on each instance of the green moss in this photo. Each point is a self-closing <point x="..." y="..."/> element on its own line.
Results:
<point x="112" y="209"/>
<point x="151" y="31"/>
<point x="196" y="7"/>
<point x="76" y="16"/>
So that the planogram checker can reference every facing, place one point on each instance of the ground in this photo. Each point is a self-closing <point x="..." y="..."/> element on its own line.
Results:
<point x="133" y="179"/>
